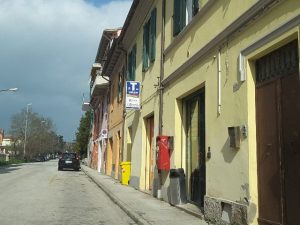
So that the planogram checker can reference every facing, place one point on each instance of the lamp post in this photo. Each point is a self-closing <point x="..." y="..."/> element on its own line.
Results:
<point x="26" y="124"/>
<point x="9" y="89"/>
<point x="42" y="135"/>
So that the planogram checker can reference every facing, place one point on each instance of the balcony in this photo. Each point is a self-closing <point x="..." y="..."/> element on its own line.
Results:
<point x="99" y="87"/>
<point x="85" y="106"/>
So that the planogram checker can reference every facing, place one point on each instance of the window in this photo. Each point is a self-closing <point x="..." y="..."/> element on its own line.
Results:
<point x="149" y="39"/>
<point x="184" y="11"/>
<point x="112" y="90"/>
<point x="120" y="85"/>
<point x="131" y="64"/>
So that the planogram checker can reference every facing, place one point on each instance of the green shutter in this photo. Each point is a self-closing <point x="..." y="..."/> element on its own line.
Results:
<point x="145" y="46"/>
<point x="179" y="17"/>
<point x="182" y="14"/>
<point x="129" y="68"/>
<point x="120" y="87"/>
<point x="176" y="17"/>
<point x="133" y="61"/>
<point x="195" y="7"/>
<point x="153" y="35"/>
<point x="132" y="64"/>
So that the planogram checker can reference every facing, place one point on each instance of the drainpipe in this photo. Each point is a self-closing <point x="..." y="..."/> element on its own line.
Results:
<point x="161" y="88"/>
<point x="123" y="99"/>
<point x="219" y="82"/>
<point x="161" y="77"/>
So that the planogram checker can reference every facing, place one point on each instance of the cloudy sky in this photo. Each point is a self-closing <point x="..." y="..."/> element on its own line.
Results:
<point x="47" y="48"/>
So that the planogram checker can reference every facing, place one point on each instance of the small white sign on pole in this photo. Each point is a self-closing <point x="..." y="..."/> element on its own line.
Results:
<point x="133" y="90"/>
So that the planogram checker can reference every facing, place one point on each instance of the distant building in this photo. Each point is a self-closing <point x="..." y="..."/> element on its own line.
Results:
<point x="5" y="142"/>
<point x="99" y="84"/>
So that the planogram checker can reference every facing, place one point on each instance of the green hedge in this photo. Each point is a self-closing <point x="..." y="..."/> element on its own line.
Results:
<point x="11" y="161"/>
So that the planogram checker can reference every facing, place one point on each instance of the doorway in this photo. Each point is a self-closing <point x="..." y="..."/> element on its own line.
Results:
<point x="278" y="136"/>
<point x="195" y="154"/>
<point x="129" y="144"/>
<point x="150" y="163"/>
<point x="109" y="155"/>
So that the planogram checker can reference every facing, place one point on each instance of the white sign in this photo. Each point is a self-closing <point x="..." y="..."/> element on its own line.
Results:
<point x="104" y="133"/>
<point x="133" y="89"/>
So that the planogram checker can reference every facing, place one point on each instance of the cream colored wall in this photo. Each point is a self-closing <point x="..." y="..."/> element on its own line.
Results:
<point x="230" y="174"/>
<point x="115" y="117"/>
<point x="149" y="103"/>
<point x="224" y="168"/>
<point x="116" y="107"/>
<point x="224" y="12"/>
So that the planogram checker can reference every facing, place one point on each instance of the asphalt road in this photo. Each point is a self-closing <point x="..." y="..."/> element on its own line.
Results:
<point x="39" y="194"/>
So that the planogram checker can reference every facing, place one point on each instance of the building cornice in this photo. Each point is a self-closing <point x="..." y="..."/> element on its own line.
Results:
<point x="256" y="10"/>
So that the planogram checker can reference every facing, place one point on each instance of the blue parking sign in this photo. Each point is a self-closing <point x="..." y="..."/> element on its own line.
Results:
<point x="133" y="87"/>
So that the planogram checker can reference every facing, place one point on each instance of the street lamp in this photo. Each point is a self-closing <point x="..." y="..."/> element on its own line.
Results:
<point x="9" y="89"/>
<point x="26" y="124"/>
<point x="41" y="136"/>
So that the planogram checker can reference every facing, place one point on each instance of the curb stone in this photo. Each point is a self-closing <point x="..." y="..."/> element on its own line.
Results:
<point x="133" y="215"/>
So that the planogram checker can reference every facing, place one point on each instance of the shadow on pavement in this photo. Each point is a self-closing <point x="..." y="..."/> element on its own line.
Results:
<point x="9" y="168"/>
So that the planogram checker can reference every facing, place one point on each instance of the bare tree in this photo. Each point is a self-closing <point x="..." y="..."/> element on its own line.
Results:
<point x="41" y="137"/>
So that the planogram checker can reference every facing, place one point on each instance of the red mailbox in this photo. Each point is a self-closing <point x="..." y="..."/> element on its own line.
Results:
<point x="164" y="144"/>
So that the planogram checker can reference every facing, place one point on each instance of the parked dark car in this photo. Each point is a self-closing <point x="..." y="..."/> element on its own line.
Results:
<point x="39" y="158"/>
<point x="69" y="160"/>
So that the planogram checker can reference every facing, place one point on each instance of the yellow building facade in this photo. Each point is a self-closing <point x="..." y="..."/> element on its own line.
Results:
<point x="211" y="94"/>
<point x="141" y="126"/>
<point x="222" y="79"/>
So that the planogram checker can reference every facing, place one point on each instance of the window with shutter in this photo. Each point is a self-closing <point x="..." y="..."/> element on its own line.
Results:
<point x="152" y="35"/>
<point x="129" y="66"/>
<point x="149" y="40"/>
<point x="177" y="17"/>
<point x="120" y="85"/>
<point x="184" y="11"/>
<point x="146" y="46"/>
<point x="133" y="66"/>
<point x="195" y="7"/>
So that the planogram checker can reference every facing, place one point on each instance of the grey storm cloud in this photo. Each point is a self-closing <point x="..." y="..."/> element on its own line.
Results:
<point x="47" y="48"/>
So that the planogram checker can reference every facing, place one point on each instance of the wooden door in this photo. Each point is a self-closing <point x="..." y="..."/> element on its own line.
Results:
<point x="109" y="156"/>
<point x="278" y="136"/>
<point x="290" y="108"/>
<point x="268" y="155"/>
<point x="151" y="154"/>
<point x="150" y="163"/>
<point x="195" y="169"/>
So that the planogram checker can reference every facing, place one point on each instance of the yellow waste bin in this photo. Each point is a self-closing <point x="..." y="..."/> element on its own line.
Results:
<point x="125" y="168"/>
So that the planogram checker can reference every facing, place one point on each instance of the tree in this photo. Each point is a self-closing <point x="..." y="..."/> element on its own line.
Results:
<point x="83" y="134"/>
<point x="41" y="139"/>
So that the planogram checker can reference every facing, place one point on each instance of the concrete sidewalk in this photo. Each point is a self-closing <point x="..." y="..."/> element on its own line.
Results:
<point x="141" y="207"/>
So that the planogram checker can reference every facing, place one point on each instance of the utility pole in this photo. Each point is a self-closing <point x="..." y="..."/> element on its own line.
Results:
<point x="26" y="124"/>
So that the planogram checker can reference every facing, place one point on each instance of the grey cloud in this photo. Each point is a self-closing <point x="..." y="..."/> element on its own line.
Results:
<point x="46" y="50"/>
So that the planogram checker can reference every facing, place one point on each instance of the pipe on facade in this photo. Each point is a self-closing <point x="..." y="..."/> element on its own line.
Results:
<point x="219" y="82"/>
<point x="124" y="100"/>
<point x="161" y="89"/>
<point x="161" y="77"/>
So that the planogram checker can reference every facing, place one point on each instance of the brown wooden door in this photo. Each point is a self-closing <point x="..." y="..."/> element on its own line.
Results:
<point x="290" y="108"/>
<point x="151" y="160"/>
<point x="268" y="155"/>
<point x="195" y="161"/>
<point x="150" y="163"/>
<point x="278" y="136"/>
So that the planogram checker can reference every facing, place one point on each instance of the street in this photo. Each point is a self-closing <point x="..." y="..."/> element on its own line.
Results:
<point x="39" y="194"/>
